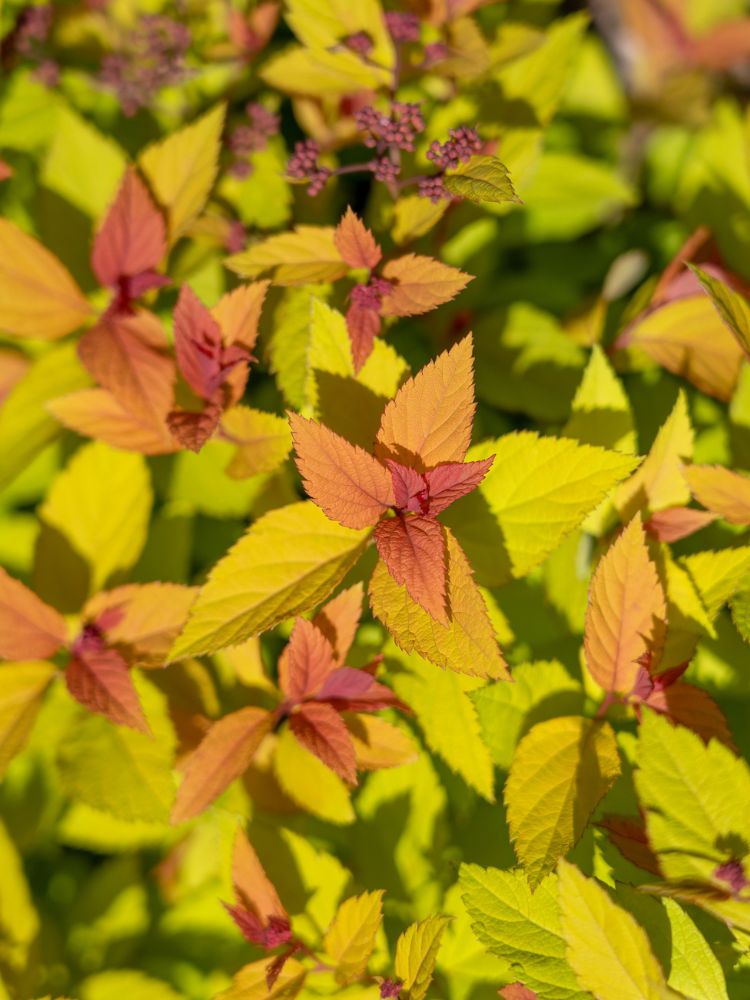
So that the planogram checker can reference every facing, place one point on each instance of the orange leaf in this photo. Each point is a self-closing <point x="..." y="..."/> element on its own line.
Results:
<point x="198" y="343"/>
<point x="29" y="628"/>
<point x="690" y="706"/>
<point x="192" y="428"/>
<point x="674" y="523"/>
<point x="307" y="661"/>
<point x="517" y="991"/>
<point x="132" y="238"/>
<point x="626" y="612"/>
<point x="38" y="297"/>
<point x="420" y="284"/>
<point x="355" y="242"/>
<point x="722" y="491"/>
<point x="99" y="679"/>
<point x="252" y="886"/>
<point x="128" y="356"/>
<point x="347" y="483"/>
<point x="363" y="326"/>
<point x="238" y="313"/>
<point x="338" y="620"/>
<point x="429" y="419"/>
<point x="413" y="549"/>
<point x="222" y="756"/>
<point x="629" y="836"/>
<point x="97" y="414"/>
<point x="377" y="743"/>
<point x="142" y="620"/>
<point x="322" y="731"/>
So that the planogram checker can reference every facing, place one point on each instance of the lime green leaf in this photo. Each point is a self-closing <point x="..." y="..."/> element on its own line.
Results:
<point x="19" y="923"/>
<point x="740" y="606"/>
<point x="416" y="954"/>
<point x="289" y="561"/>
<point x="125" y="982"/>
<point x="561" y="770"/>
<point x="480" y="179"/>
<point x="350" y="939"/>
<point x="601" y="413"/>
<point x="694" y="969"/>
<point x="22" y="689"/>
<point x="718" y="576"/>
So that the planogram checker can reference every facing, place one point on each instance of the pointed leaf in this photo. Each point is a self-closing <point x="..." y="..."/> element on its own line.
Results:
<point x="308" y="660"/>
<point x="250" y="983"/>
<point x="363" y="326"/>
<point x="338" y="620"/>
<point x="95" y="413"/>
<point x="722" y="491"/>
<point x="99" y="679"/>
<point x="306" y="255"/>
<point x="262" y="439"/>
<point x="198" y="345"/>
<point x="321" y="730"/>
<point x="420" y="284"/>
<point x="29" y="628"/>
<point x="451" y="481"/>
<point x="350" y="939"/>
<point x="482" y="179"/>
<point x="416" y="954"/>
<point x="355" y="242"/>
<point x="732" y="308"/>
<point x="413" y="549"/>
<point x="693" y="707"/>
<point x="22" y="689"/>
<point x="238" y="313"/>
<point x="674" y="523"/>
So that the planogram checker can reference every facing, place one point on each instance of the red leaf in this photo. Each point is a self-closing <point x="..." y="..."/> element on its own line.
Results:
<point x="276" y="932"/>
<point x="347" y="483"/>
<point x="451" y="481"/>
<point x="192" y="428"/>
<point x="364" y="326"/>
<point x="98" y="677"/>
<point x="353" y="690"/>
<point x="413" y="549"/>
<point x="355" y="242"/>
<point x="629" y="836"/>
<point x="674" y="523"/>
<point x="409" y="488"/>
<point x="29" y="628"/>
<point x="307" y="661"/>
<point x="338" y="620"/>
<point x="690" y="706"/>
<point x="201" y="356"/>
<point x="132" y="238"/>
<point x="259" y="913"/>
<point x="321" y="730"/>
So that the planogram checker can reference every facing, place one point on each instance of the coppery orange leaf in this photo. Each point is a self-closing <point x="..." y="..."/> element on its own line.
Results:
<point x="29" y="628"/>
<point x="238" y="313"/>
<point x="674" y="523"/>
<point x="355" y="242"/>
<point x="721" y="490"/>
<point x="253" y="887"/>
<point x="420" y="284"/>
<point x="347" y="483"/>
<point x="338" y="620"/>
<point x="413" y="549"/>
<point x="99" y="679"/>
<point x="322" y="731"/>
<point x="307" y="661"/>
<point x="687" y="705"/>
<point x="95" y="413"/>
<point x="429" y="419"/>
<point x="625" y="618"/>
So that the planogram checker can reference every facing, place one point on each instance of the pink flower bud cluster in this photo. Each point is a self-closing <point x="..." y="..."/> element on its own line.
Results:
<point x="360" y="42"/>
<point x="246" y="139"/>
<point x="398" y="130"/>
<point x="371" y="295"/>
<point x="403" y="27"/>
<point x="460" y="146"/>
<point x="29" y="40"/>
<point x="303" y="164"/>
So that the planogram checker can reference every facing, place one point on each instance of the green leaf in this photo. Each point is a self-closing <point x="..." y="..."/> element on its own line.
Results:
<point x="125" y="982"/>
<point x="521" y="926"/>
<point x="416" y="954"/>
<point x="288" y="561"/>
<point x="718" y="576"/>
<point x="740" y="606"/>
<point x="694" y="969"/>
<point x="561" y="770"/>
<point x="481" y="179"/>
<point x="601" y="413"/>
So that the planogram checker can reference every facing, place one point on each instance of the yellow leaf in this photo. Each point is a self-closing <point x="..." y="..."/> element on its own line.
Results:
<point x="38" y="297"/>
<point x="601" y="413"/>
<point x="101" y="502"/>
<point x="413" y="216"/>
<point x="659" y="482"/>
<point x="325" y="24"/>
<point x="319" y="73"/>
<point x="721" y="490"/>
<point x="718" y="576"/>
<point x="560" y="772"/>
<point x="482" y="179"/>
<point x="467" y="644"/>
<point x="298" y="258"/>
<point x="416" y="953"/>
<point x="350" y="939"/>
<point x="287" y="562"/>
<point x="608" y="951"/>
<point x="181" y="169"/>
<point x="262" y="439"/>
<point x="22" y="688"/>
<point x="309" y="783"/>
<point x="379" y="744"/>
<point x="19" y="923"/>
<point x="626" y="612"/>
<point x="250" y="982"/>
<point x="731" y="307"/>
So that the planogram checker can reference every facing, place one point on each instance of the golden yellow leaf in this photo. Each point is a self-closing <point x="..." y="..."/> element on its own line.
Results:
<point x="350" y="939"/>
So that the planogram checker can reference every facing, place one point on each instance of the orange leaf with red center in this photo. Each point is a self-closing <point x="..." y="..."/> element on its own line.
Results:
<point x="202" y="358"/>
<point x="419" y="285"/>
<point x="432" y="491"/>
<point x="355" y="242"/>
<point x="625" y="618"/>
<point x="259" y="912"/>
<point x="29" y="628"/>
<point x="430" y="418"/>
<point x="223" y="755"/>
<point x="413" y="549"/>
<point x="346" y="482"/>
<point x="722" y="491"/>
<point x="98" y="678"/>
<point x="306" y="662"/>
<point x="322" y="731"/>
<point x="131" y="242"/>
<point x="338" y="620"/>
<point x="363" y="325"/>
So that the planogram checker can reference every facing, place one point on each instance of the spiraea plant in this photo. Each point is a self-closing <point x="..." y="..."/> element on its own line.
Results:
<point x="374" y="497"/>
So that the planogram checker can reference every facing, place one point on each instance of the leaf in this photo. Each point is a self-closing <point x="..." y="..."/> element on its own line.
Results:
<point x="307" y="660"/>
<point x="659" y="482"/>
<point x="181" y="169"/>
<point x="338" y="620"/>
<point x="38" y="297"/>
<point x="95" y="413"/>
<point x="132" y="238"/>
<point x="721" y="490"/>
<point x="693" y="707"/>
<point x="355" y="242"/>
<point x="309" y="783"/>
<point x="718" y="576"/>
<point x="517" y="991"/>
<point x="539" y="490"/>
<point x="306" y="255"/>
<point x="29" y="628"/>
<point x="601" y="413"/>
<point x="468" y="645"/>
<point x="250" y="982"/>
<point x="451" y="481"/>
<point x="101" y="504"/>
<point x="413" y="550"/>
<point x="561" y="770"/>
<point x="224" y="754"/>
<point x="347" y="483"/>
<point x="263" y="441"/>
<point x="482" y="179"/>
<point x="446" y="715"/>
<point x="416" y="954"/>
<point x="696" y="799"/>
<point x="608" y="951"/>
<point x="420" y="285"/>
<point x="740" y="607"/>
<point x="429" y="421"/>
<point x="201" y="357"/>
<point x="350" y="939"/>
<point x="413" y="216"/>
<point x="22" y="689"/>
<point x="287" y="562"/>
<point x="320" y="729"/>
<point x="732" y="307"/>
<point x="238" y="313"/>
<point x="626" y="613"/>
<point x="99" y="679"/>
<point x="252" y="885"/>
<point x="695" y="971"/>
<point x="520" y="926"/>
<point x="675" y="523"/>
<point x="379" y="744"/>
